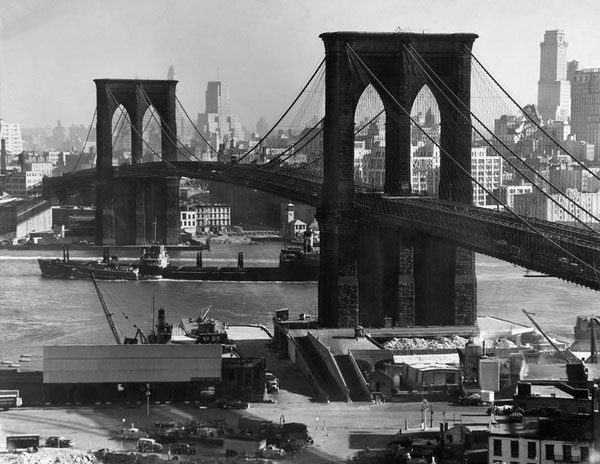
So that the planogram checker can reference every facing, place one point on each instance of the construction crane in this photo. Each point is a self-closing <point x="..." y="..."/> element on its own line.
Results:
<point x="107" y="313"/>
<point x="567" y="354"/>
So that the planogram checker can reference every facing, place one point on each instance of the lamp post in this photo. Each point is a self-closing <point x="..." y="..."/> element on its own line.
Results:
<point x="148" y="408"/>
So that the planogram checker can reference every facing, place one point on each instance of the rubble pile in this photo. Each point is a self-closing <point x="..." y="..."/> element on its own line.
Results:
<point x="440" y="343"/>
<point x="50" y="456"/>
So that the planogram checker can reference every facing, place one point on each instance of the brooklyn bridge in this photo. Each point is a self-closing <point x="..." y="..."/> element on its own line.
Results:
<point x="385" y="251"/>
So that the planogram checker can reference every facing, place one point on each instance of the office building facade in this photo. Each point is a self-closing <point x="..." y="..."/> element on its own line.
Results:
<point x="554" y="98"/>
<point x="585" y="106"/>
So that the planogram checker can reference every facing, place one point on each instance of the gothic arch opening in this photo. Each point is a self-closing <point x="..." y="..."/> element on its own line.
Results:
<point x="424" y="153"/>
<point x="152" y="136"/>
<point x="121" y="137"/>
<point x="369" y="140"/>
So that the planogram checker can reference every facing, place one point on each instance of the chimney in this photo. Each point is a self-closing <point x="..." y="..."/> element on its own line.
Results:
<point x="2" y="155"/>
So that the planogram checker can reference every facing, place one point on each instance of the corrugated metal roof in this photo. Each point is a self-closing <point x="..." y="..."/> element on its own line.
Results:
<point x="433" y="367"/>
<point x="445" y="358"/>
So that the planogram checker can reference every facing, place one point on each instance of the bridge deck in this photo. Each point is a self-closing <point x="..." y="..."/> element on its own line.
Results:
<point x="493" y="233"/>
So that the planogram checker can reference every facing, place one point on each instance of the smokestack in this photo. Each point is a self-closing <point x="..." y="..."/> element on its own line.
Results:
<point x="593" y="343"/>
<point x="161" y="320"/>
<point x="3" y="155"/>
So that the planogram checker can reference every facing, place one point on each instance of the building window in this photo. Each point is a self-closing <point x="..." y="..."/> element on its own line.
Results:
<point x="514" y="449"/>
<point x="585" y="454"/>
<point x="531" y="450"/>
<point x="550" y="452"/>
<point x="497" y="447"/>
<point x="567" y="453"/>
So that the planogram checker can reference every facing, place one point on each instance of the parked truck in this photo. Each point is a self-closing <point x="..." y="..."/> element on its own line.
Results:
<point x="10" y="399"/>
<point x="245" y="445"/>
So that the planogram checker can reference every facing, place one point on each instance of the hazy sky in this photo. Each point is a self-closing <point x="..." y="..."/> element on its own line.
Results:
<point x="263" y="50"/>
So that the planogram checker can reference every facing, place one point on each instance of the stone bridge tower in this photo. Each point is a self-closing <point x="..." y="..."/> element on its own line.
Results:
<point x="412" y="279"/>
<point x="136" y="211"/>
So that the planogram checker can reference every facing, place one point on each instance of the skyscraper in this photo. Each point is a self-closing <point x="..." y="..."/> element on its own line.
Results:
<point x="217" y="99"/>
<point x="585" y="106"/>
<point x="554" y="91"/>
<point x="12" y="134"/>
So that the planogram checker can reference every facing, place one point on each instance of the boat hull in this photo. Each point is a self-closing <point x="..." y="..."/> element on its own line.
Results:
<point x="59" y="269"/>
<point x="267" y="274"/>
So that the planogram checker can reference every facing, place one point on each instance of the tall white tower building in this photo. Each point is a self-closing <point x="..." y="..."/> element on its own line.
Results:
<point x="12" y="134"/>
<point x="554" y="90"/>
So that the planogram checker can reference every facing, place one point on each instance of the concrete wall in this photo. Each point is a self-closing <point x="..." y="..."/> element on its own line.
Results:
<point x="295" y="354"/>
<point x="130" y="363"/>
<point x="39" y="221"/>
<point x="332" y="366"/>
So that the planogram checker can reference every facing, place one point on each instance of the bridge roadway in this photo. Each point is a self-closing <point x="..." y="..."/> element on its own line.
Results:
<point x="490" y="232"/>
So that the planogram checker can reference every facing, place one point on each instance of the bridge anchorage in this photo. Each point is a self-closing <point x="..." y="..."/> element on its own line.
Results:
<point x="388" y="256"/>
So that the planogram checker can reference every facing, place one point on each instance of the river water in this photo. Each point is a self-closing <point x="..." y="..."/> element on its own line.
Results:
<point x="36" y="311"/>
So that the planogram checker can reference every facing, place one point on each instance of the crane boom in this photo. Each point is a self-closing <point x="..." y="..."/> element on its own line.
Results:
<point x="107" y="313"/>
<point x="569" y="361"/>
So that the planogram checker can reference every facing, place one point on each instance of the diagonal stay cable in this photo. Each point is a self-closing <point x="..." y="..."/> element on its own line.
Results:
<point x="465" y="171"/>
<point x="208" y="144"/>
<point x="535" y="123"/>
<point x="317" y="134"/>
<point x="285" y="113"/>
<point x="111" y="95"/>
<point x="433" y="77"/>
<point x="167" y="130"/>
<point x="297" y="142"/>
<point x="86" y="140"/>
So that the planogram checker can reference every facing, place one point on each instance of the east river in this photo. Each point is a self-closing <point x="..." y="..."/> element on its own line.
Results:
<point x="36" y="311"/>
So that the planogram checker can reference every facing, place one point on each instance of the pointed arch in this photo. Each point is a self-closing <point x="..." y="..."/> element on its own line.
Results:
<point x="121" y="136"/>
<point x="369" y="139"/>
<point x="425" y="154"/>
<point x="152" y="135"/>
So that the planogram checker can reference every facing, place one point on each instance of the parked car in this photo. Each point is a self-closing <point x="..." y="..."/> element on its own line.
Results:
<point x="149" y="445"/>
<point x="59" y="442"/>
<point x="271" y="451"/>
<point x="133" y="433"/>
<point x="235" y="404"/>
<point x="182" y="448"/>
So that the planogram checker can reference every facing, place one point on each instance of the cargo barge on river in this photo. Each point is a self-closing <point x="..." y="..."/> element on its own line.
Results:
<point x="295" y="265"/>
<point x="107" y="269"/>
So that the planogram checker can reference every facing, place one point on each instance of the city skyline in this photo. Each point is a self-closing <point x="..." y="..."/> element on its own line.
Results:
<point x="52" y="50"/>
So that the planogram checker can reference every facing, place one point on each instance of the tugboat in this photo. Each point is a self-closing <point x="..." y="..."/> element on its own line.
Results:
<point x="107" y="269"/>
<point x="154" y="261"/>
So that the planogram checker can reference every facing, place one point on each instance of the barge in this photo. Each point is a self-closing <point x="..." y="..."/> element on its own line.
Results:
<point x="295" y="265"/>
<point x="107" y="269"/>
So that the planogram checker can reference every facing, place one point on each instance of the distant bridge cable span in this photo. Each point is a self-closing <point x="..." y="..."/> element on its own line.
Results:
<point x="367" y="74"/>
<point x="435" y="79"/>
<point x="166" y="130"/>
<point x="544" y="143"/>
<point x="113" y="98"/>
<point x="321" y="65"/>
<point x="291" y="148"/>
<point x="315" y="135"/>
<point x="208" y="144"/>
<point x="532" y="120"/>
<point x="87" y="137"/>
